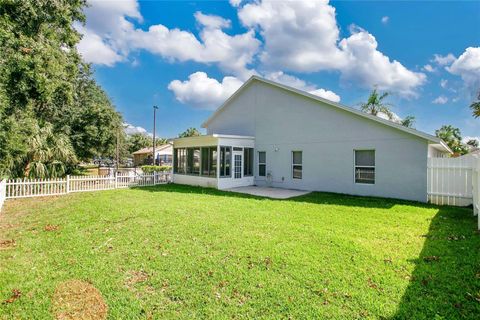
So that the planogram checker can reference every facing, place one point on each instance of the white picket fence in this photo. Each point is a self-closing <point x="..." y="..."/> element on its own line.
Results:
<point x="25" y="188"/>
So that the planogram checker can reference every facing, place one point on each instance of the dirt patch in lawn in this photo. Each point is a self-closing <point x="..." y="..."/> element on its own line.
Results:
<point x="76" y="299"/>
<point x="5" y="244"/>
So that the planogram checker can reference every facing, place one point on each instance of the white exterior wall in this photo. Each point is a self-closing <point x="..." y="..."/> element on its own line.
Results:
<point x="327" y="136"/>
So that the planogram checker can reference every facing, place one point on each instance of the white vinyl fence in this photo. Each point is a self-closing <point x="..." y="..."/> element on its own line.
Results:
<point x="454" y="181"/>
<point x="25" y="188"/>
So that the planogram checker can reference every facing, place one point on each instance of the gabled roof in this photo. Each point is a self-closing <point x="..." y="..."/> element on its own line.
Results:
<point x="150" y="149"/>
<point x="430" y="138"/>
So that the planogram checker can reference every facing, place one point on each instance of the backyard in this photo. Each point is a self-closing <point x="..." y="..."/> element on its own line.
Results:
<point x="174" y="251"/>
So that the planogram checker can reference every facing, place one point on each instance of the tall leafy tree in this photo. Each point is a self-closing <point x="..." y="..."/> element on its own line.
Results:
<point x="46" y="89"/>
<point x="376" y="104"/>
<point x="190" y="132"/>
<point x="453" y="138"/>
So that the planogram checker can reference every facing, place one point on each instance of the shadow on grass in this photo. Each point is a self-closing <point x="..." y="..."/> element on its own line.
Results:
<point x="445" y="283"/>
<point x="314" y="197"/>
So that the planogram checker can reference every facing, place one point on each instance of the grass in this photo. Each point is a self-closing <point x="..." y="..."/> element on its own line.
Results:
<point x="184" y="252"/>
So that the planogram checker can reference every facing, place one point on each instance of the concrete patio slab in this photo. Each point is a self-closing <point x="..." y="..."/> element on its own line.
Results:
<point x="269" y="192"/>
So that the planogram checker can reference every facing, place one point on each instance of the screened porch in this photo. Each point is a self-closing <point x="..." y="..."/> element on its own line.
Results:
<point x="219" y="161"/>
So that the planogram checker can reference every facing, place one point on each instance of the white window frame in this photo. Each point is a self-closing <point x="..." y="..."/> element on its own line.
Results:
<point x="298" y="165"/>
<point x="261" y="163"/>
<point x="355" y="167"/>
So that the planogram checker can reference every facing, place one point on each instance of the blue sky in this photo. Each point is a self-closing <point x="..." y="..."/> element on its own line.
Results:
<point x="187" y="57"/>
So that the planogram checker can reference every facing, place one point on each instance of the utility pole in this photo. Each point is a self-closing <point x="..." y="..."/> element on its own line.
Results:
<point x="154" y="115"/>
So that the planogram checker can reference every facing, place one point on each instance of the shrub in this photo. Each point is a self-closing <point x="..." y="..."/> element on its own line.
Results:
<point x="151" y="169"/>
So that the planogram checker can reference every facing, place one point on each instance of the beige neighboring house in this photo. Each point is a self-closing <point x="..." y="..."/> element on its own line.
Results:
<point x="163" y="155"/>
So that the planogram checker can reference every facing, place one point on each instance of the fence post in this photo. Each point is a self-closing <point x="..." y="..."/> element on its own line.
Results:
<point x="3" y="192"/>
<point x="68" y="184"/>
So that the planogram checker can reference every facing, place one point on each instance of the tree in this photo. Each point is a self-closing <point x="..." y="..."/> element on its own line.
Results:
<point x="138" y="141"/>
<point x="48" y="154"/>
<point x="475" y="106"/>
<point x="45" y="88"/>
<point x="408" y="121"/>
<point x="452" y="138"/>
<point x="375" y="104"/>
<point x="190" y="132"/>
<point x="473" y="143"/>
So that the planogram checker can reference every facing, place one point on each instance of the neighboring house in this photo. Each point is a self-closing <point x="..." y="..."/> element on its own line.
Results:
<point x="269" y="134"/>
<point x="163" y="155"/>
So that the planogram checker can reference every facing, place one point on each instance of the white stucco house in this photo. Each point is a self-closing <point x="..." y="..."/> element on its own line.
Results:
<point x="269" y="134"/>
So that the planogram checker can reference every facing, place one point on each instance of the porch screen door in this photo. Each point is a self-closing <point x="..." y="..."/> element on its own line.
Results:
<point x="237" y="165"/>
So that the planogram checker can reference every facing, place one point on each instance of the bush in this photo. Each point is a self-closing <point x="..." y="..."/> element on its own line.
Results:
<point x="151" y="169"/>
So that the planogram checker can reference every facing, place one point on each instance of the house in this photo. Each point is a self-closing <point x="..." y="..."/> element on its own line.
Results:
<point x="163" y="156"/>
<point x="269" y="134"/>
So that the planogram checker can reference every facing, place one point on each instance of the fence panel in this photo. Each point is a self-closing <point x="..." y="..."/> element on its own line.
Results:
<point x="451" y="181"/>
<point x="23" y="188"/>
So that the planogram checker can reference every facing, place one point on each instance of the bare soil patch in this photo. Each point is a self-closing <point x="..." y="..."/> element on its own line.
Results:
<point x="77" y="299"/>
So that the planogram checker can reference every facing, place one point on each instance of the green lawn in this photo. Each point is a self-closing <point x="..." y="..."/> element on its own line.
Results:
<point x="184" y="252"/>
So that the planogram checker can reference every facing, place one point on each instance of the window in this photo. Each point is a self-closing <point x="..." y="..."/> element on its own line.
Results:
<point x="209" y="161"/>
<point x="365" y="166"/>
<point x="225" y="160"/>
<point x="247" y="162"/>
<point x="262" y="163"/>
<point x="180" y="161"/>
<point x="297" y="164"/>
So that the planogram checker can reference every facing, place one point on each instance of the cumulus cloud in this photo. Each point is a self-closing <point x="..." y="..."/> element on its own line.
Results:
<point x="443" y="60"/>
<point x="96" y="50"/>
<point x="131" y="129"/>
<point x="440" y="100"/>
<point x="303" y="36"/>
<point x="428" y="68"/>
<point x="385" y="19"/>
<point x="109" y="24"/>
<point x="370" y="67"/>
<point x="443" y="83"/>
<point x="203" y="92"/>
<point x="467" y="66"/>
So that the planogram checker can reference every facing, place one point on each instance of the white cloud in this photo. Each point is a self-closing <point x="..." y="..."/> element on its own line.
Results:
<point x="203" y="92"/>
<point x="428" y="68"/>
<point x="303" y="36"/>
<point x="440" y="100"/>
<point x="211" y="21"/>
<point x="95" y="50"/>
<point x="299" y="35"/>
<point x="235" y="3"/>
<point x="369" y="67"/>
<point x="300" y="84"/>
<point x="443" y="83"/>
<point x="131" y="129"/>
<point x="108" y="24"/>
<point x="326" y="94"/>
<point x="385" y="19"/>
<point x="443" y="60"/>
<point x="467" y="66"/>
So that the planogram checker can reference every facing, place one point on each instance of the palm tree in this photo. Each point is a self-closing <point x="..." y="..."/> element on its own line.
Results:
<point x="475" y="106"/>
<point x="375" y="104"/>
<point x="452" y="138"/>
<point x="190" y="132"/>
<point x="48" y="153"/>
<point x="408" y="121"/>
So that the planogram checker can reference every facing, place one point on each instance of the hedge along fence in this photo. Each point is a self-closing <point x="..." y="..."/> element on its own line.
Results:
<point x="152" y="169"/>
<point x="26" y="188"/>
